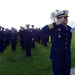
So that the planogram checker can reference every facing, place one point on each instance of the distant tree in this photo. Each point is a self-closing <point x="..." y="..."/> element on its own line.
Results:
<point x="57" y="11"/>
<point x="52" y="16"/>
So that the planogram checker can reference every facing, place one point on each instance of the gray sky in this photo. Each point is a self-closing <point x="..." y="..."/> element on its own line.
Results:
<point x="16" y="13"/>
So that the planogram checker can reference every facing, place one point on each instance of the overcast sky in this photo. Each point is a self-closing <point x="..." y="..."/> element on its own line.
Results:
<point x="16" y="13"/>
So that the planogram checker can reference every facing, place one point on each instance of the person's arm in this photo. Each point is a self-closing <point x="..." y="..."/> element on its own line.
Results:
<point x="47" y="29"/>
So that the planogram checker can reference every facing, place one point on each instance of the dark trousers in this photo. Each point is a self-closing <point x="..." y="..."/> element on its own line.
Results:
<point x="1" y="46"/>
<point x="22" y="44"/>
<point x="45" y="42"/>
<point x="61" y="67"/>
<point x="33" y="44"/>
<point x="28" y="49"/>
<point x="7" y="42"/>
<point x="13" y="43"/>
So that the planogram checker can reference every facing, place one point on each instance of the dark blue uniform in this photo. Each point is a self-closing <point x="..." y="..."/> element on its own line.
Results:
<point x="28" y="42"/>
<point x="2" y="38"/>
<point x="60" y="49"/>
<point x="7" y="40"/>
<point x="33" y="31"/>
<point x="21" y="36"/>
<point x="13" y="38"/>
<point x="38" y="35"/>
<point x="45" y="39"/>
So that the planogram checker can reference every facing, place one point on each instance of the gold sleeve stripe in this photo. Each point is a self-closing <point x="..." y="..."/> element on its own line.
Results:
<point x="51" y="26"/>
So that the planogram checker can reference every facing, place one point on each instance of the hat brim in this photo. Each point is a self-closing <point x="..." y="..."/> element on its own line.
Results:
<point x="60" y="16"/>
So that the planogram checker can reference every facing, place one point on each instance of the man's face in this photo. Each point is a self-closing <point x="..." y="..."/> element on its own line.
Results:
<point x="65" y="21"/>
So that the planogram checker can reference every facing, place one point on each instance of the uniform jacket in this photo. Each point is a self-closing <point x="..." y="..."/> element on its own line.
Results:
<point x="61" y="40"/>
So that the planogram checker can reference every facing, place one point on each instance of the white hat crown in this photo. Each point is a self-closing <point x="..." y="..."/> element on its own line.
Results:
<point x="63" y="13"/>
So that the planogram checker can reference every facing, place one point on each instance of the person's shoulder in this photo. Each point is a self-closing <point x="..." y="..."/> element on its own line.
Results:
<point x="51" y="26"/>
<point x="69" y="27"/>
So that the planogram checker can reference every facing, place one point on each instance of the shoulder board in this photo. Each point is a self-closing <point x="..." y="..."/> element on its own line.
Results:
<point x="51" y="26"/>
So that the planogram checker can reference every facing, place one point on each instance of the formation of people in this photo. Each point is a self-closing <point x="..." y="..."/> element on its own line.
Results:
<point x="26" y="35"/>
<point x="61" y="35"/>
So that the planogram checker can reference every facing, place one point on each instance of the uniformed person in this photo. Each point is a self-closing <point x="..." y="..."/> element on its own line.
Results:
<point x="38" y="35"/>
<point x="28" y="40"/>
<point x="21" y="37"/>
<point x="61" y="40"/>
<point x="2" y="38"/>
<point x="33" y="36"/>
<point x="7" y="40"/>
<point x="45" y="39"/>
<point x="13" y="38"/>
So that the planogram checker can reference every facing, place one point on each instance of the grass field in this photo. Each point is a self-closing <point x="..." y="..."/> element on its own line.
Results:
<point x="16" y="63"/>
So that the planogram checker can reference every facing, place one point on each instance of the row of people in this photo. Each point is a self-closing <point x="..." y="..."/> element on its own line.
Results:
<point x="27" y="38"/>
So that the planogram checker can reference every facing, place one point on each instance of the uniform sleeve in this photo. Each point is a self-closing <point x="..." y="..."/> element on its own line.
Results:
<point x="47" y="29"/>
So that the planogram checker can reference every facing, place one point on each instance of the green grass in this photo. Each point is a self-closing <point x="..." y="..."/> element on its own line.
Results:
<point x="16" y="63"/>
<point x="73" y="50"/>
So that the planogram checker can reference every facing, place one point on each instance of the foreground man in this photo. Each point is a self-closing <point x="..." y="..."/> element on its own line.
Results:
<point x="61" y="41"/>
